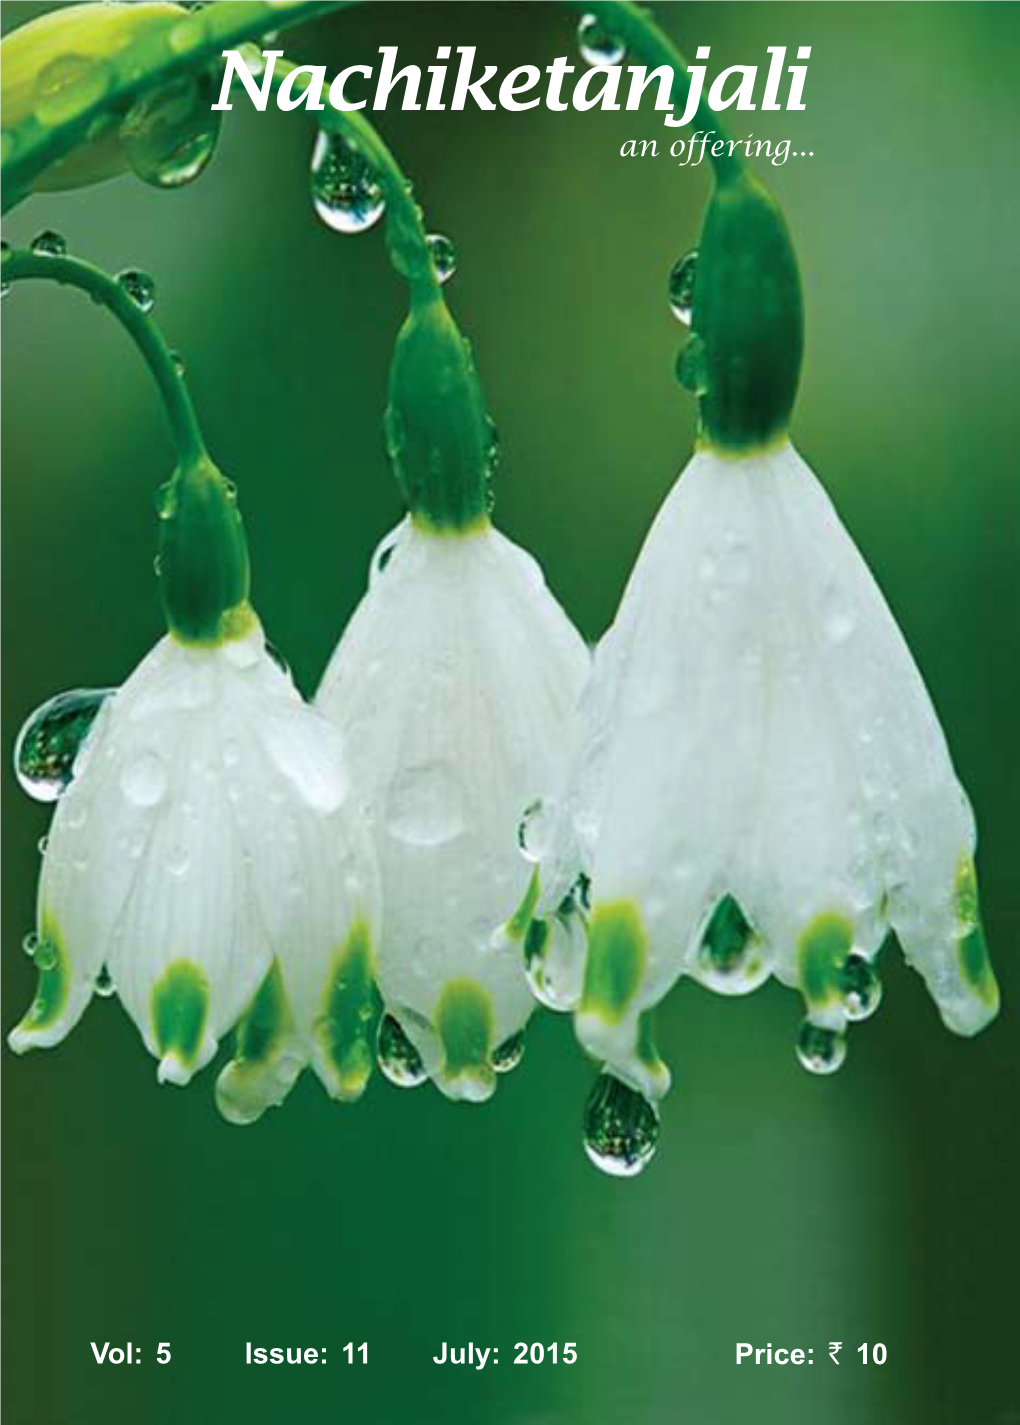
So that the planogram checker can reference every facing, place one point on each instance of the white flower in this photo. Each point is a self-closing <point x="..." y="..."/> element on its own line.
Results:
<point x="455" y="686"/>
<point x="762" y="784"/>
<point x="205" y="843"/>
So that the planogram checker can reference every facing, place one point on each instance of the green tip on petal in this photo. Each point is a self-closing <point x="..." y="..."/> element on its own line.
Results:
<point x="821" y="953"/>
<point x="345" y="1032"/>
<point x="617" y="956"/>
<point x="180" y="1008"/>
<point x="517" y="927"/>
<point x="36" y="1029"/>
<point x="266" y="1062"/>
<point x="972" y="951"/>
<point x="464" y="1022"/>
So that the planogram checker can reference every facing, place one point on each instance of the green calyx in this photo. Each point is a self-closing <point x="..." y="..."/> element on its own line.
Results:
<point x="747" y="328"/>
<point x="203" y="557"/>
<point x="438" y="435"/>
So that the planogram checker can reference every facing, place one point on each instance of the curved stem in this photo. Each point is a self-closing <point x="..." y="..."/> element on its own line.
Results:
<point x="635" y="26"/>
<point x="22" y="266"/>
<point x="403" y="214"/>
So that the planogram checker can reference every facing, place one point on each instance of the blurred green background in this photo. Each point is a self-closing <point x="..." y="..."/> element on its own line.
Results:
<point x="876" y="1206"/>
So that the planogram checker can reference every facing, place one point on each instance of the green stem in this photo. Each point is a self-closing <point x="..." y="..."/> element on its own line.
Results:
<point x="22" y="266"/>
<point x="406" y="235"/>
<point x="645" y="41"/>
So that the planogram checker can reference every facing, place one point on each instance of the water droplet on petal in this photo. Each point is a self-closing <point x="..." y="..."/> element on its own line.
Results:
<point x="42" y="844"/>
<point x="69" y="85"/>
<point x="681" y="288"/>
<point x="820" y="1050"/>
<point x="732" y="958"/>
<point x="554" y="955"/>
<point x="398" y="1059"/>
<point x="839" y="619"/>
<point x="143" y="779"/>
<point x="45" y="954"/>
<point x="104" y="986"/>
<point x="49" y="244"/>
<point x="168" y="137"/>
<point x="51" y="738"/>
<point x="443" y="255"/>
<point x="535" y="830"/>
<point x="598" y="46"/>
<point x="178" y="861"/>
<point x="426" y="805"/>
<point x="139" y="286"/>
<point x="621" y="1128"/>
<point x="860" y="987"/>
<point x="346" y="191"/>
<point x="509" y="1054"/>
<point x="30" y="944"/>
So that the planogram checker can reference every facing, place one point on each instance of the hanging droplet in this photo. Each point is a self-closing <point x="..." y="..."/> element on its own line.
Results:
<point x="168" y="137"/>
<point x="621" y="1128"/>
<point x="535" y="830"/>
<point x="692" y="366"/>
<point x="398" y="1059"/>
<point x="49" y="741"/>
<point x="69" y="85"/>
<point x="597" y="45"/>
<point x="820" y="1050"/>
<point x="732" y="958"/>
<point x="554" y="955"/>
<point x="443" y="255"/>
<point x="509" y="1054"/>
<point x="860" y="987"/>
<point x="30" y="944"/>
<point x="104" y="986"/>
<point x="346" y="191"/>
<point x="139" y="286"/>
<point x="49" y="244"/>
<point x="681" y="288"/>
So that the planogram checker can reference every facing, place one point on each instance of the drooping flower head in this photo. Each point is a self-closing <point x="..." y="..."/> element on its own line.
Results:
<point x="455" y="686"/>
<point x="206" y="860"/>
<point x="762" y="785"/>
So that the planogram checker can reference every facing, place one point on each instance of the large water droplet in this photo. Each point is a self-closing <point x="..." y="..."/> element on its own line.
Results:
<point x="426" y="805"/>
<point x="681" y="288"/>
<point x="346" y="191"/>
<point x="139" y="286"/>
<point x="597" y="45"/>
<point x="621" y="1128"/>
<point x="51" y="738"/>
<point x="732" y="958"/>
<point x="509" y="1054"/>
<point x="49" y="244"/>
<point x="443" y="255"/>
<point x="860" y="987"/>
<point x="554" y="953"/>
<point x="398" y="1059"/>
<point x="143" y="779"/>
<point x="169" y="137"/>
<point x="820" y="1050"/>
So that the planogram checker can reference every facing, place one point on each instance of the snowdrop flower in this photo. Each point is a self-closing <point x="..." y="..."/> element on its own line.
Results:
<point x="762" y="787"/>
<point x="206" y="860"/>
<point x="455" y="686"/>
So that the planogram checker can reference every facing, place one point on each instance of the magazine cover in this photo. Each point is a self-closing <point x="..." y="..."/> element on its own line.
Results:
<point x="511" y="520"/>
